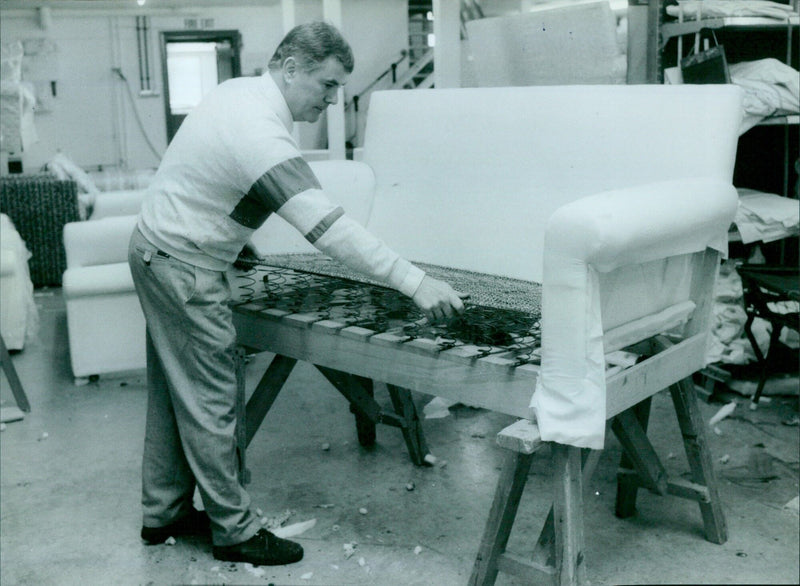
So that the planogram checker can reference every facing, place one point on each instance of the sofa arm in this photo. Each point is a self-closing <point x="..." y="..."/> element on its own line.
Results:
<point x="98" y="242"/>
<point x="117" y="203"/>
<point x="100" y="280"/>
<point x="587" y="238"/>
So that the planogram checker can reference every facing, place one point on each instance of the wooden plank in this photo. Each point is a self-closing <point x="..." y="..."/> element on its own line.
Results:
<point x="522" y="436"/>
<point x="328" y="326"/>
<point x="302" y="320"/>
<point x="530" y="571"/>
<point x="544" y="550"/>
<point x="568" y="515"/>
<point x="705" y="267"/>
<point x="9" y="414"/>
<point x="474" y="383"/>
<point x="646" y="327"/>
<point x="274" y="314"/>
<point x="357" y="333"/>
<point x="632" y="385"/>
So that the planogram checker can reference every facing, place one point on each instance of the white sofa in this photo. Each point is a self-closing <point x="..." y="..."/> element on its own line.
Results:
<point x="105" y="323"/>
<point x="18" y="313"/>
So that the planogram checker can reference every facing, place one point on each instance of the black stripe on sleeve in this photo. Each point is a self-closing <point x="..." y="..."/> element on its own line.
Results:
<point x="317" y="231"/>
<point x="273" y="189"/>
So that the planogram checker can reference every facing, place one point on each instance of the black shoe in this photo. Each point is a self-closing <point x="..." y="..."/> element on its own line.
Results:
<point x="262" y="549"/>
<point x="195" y="523"/>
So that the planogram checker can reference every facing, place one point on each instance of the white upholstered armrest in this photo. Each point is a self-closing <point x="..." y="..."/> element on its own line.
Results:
<point x="98" y="242"/>
<point x="598" y="234"/>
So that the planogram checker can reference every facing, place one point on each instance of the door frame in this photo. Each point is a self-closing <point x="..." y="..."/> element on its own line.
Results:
<point x="234" y="37"/>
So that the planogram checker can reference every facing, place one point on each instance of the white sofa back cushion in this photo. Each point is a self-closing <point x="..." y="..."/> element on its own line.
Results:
<point x="468" y="177"/>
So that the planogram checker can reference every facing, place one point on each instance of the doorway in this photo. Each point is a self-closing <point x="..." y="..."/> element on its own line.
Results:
<point x="193" y="63"/>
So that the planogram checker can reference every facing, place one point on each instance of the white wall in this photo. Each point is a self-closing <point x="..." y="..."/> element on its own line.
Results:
<point x="92" y="120"/>
<point x="378" y="33"/>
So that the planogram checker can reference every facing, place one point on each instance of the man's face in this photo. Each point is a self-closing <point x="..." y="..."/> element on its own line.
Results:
<point x="309" y="93"/>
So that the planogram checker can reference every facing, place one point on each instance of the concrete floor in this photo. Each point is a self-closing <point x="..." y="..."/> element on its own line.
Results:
<point x="70" y="491"/>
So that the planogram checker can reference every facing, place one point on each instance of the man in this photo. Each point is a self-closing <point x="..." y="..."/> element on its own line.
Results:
<point x="231" y="164"/>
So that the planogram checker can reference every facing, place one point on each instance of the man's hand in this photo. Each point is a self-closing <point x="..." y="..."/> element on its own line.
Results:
<point x="437" y="299"/>
<point x="247" y="258"/>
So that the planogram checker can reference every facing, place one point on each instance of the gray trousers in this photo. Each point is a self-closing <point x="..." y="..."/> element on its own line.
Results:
<point x="190" y="437"/>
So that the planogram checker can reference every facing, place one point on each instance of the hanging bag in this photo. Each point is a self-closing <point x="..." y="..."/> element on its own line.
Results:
<point x="707" y="66"/>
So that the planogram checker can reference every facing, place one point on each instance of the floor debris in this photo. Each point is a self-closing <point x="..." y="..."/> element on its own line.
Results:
<point x="724" y="411"/>
<point x="362" y="562"/>
<point x="307" y="576"/>
<point x="410" y="486"/>
<point x="170" y="541"/>
<point x="793" y="505"/>
<point x="349" y="550"/>
<point x="325" y="447"/>
<point x="363" y="511"/>
<point x="257" y="572"/>
<point x="417" y="550"/>
<point x="276" y="521"/>
<point x="792" y="421"/>
<point x="438" y="408"/>
<point x="430" y="459"/>
<point x="294" y="529"/>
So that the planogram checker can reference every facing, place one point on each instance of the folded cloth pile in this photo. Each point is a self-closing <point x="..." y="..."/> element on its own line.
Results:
<point x="771" y="88"/>
<point x="691" y="9"/>
<point x="766" y="217"/>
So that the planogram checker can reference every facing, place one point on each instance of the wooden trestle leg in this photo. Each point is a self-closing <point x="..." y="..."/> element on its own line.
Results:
<point x="357" y="390"/>
<point x="627" y="486"/>
<point x="558" y="554"/>
<point x="692" y="426"/>
<point x="640" y="466"/>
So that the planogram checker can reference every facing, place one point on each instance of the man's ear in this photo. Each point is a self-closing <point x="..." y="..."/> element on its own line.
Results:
<point x="289" y="69"/>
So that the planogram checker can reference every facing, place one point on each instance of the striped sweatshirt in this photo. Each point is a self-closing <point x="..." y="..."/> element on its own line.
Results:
<point x="232" y="163"/>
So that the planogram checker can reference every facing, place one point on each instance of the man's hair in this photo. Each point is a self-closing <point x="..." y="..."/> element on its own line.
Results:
<point x="312" y="43"/>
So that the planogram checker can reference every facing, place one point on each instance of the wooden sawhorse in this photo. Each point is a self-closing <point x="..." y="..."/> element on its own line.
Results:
<point x="23" y="406"/>
<point x="558" y="554"/>
<point x="358" y="390"/>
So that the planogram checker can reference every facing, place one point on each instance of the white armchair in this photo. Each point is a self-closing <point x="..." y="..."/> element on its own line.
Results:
<point x="18" y="314"/>
<point x="104" y="319"/>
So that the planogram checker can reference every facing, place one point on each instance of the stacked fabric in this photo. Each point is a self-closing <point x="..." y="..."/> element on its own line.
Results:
<point x="766" y="217"/>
